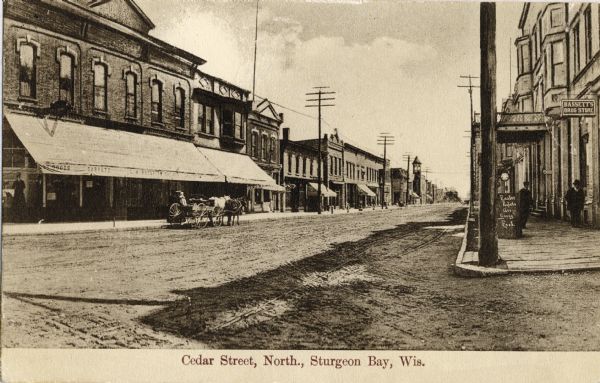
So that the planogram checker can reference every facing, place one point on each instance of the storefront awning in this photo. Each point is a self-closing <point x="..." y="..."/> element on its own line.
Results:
<point x="71" y="148"/>
<point x="237" y="168"/>
<point x="364" y="189"/>
<point x="274" y="187"/>
<point x="325" y="192"/>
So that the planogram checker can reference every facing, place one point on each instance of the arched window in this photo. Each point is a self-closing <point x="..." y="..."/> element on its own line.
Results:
<point x="180" y="107"/>
<point x="131" y="95"/>
<point x="65" y="78"/>
<point x="254" y="145"/>
<point x="100" y="87"/>
<point x="156" y="113"/>
<point x="27" y="70"/>
<point x="303" y="166"/>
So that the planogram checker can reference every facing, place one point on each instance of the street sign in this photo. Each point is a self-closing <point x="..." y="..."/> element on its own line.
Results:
<point x="578" y="108"/>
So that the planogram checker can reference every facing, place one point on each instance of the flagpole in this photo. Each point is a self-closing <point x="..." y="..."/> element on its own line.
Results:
<point x="255" y="45"/>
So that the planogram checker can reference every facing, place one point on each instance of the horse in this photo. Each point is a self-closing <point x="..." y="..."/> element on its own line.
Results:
<point x="234" y="208"/>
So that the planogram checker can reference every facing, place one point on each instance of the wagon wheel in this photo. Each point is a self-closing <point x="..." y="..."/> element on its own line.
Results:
<point x="218" y="216"/>
<point x="203" y="218"/>
<point x="175" y="213"/>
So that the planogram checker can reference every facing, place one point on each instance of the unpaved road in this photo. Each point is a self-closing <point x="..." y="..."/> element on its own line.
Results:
<point x="374" y="280"/>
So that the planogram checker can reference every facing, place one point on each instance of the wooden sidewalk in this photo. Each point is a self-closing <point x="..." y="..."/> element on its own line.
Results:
<point x="551" y="245"/>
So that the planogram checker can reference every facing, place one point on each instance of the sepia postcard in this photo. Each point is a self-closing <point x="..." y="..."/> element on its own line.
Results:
<point x="283" y="190"/>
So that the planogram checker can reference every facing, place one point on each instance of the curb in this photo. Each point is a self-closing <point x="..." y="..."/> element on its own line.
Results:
<point x="470" y="270"/>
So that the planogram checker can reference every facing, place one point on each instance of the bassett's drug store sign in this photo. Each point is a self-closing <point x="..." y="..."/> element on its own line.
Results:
<point x="578" y="108"/>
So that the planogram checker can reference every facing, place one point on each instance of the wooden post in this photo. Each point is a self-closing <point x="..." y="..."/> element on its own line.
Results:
<point x="488" y="241"/>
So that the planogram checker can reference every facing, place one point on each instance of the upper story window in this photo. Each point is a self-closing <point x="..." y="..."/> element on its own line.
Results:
<point x="535" y="45"/>
<point x="157" y="101"/>
<point x="100" y="78"/>
<point x="289" y="164"/>
<point x="264" y="148"/>
<point x="576" y="50"/>
<point x="558" y="71"/>
<point x="131" y="95"/>
<point x="312" y="166"/>
<point x="587" y="17"/>
<point x="180" y="107"/>
<point x="227" y="123"/>
<point x="205" y="119"/>
<point x="297" y="164"/>
<point x="523" y="58"/>
<point x="65" y="78"/>
<point x="239" y="128"/>
<point x="273" y="149"/>
<point x="555" y="17"/>
<point x="254" y="145"/>
<point x="27" y="69"/>
<point x="304" y="166"/>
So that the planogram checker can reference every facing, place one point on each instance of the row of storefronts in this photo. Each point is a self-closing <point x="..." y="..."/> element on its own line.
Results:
<point x="548" y="131"/>
<point x="351" y="177"/>
<point x="103" y="121"/>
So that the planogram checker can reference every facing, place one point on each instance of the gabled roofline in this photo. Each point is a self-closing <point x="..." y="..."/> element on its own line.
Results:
<point x="141" y="13"/>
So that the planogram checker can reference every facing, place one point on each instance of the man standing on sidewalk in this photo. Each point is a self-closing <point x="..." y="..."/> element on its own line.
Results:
<point x="525" y="202"/>
<point x="575" y="199"/>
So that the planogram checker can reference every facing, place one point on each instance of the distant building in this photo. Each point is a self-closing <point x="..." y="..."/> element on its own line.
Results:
<point x="399" y="186"/>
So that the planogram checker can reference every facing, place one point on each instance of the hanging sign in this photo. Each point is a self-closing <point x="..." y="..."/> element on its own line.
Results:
<point x="578" y="108"/>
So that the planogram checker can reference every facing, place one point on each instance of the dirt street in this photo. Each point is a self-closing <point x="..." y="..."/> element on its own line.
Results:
<point x="373" y="280"/>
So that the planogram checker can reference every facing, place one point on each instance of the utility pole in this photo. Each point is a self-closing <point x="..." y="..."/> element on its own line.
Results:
<point x="407" y="156"/>
<point x="472" y="130"/>
<point x="384" y="139"/>
<point x="488" y="241"/>
<point x="319" y="93"/>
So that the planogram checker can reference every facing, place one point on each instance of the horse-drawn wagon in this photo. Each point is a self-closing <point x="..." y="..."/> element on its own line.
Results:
<point x="200" y="212"/>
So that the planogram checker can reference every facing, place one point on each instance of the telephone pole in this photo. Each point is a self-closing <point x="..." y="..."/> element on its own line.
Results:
<point x="472" y="130"/>
<point x="319" y="104"/>
<point x="488" y="244"/>
<point x="384" y="139"/>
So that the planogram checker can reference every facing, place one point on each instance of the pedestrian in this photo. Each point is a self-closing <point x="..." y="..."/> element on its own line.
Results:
<point x="575" y="199"/>
<point x="525" y="203"/>
<point x="19" y="204"/>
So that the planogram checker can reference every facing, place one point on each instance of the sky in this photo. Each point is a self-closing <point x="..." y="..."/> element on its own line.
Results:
<point x="394" y="66"/>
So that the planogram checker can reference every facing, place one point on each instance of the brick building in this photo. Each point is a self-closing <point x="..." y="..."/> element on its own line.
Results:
<point x="263" y="147"/>
<point x="300" y="172"/>
<point x="103" y="120"/>
<point x="557" y="56"/>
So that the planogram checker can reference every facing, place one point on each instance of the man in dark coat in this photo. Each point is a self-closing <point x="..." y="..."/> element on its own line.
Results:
<point x="525" y="204"/>
<point x="575" y="199"/>
<point x="19" y="203"/>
